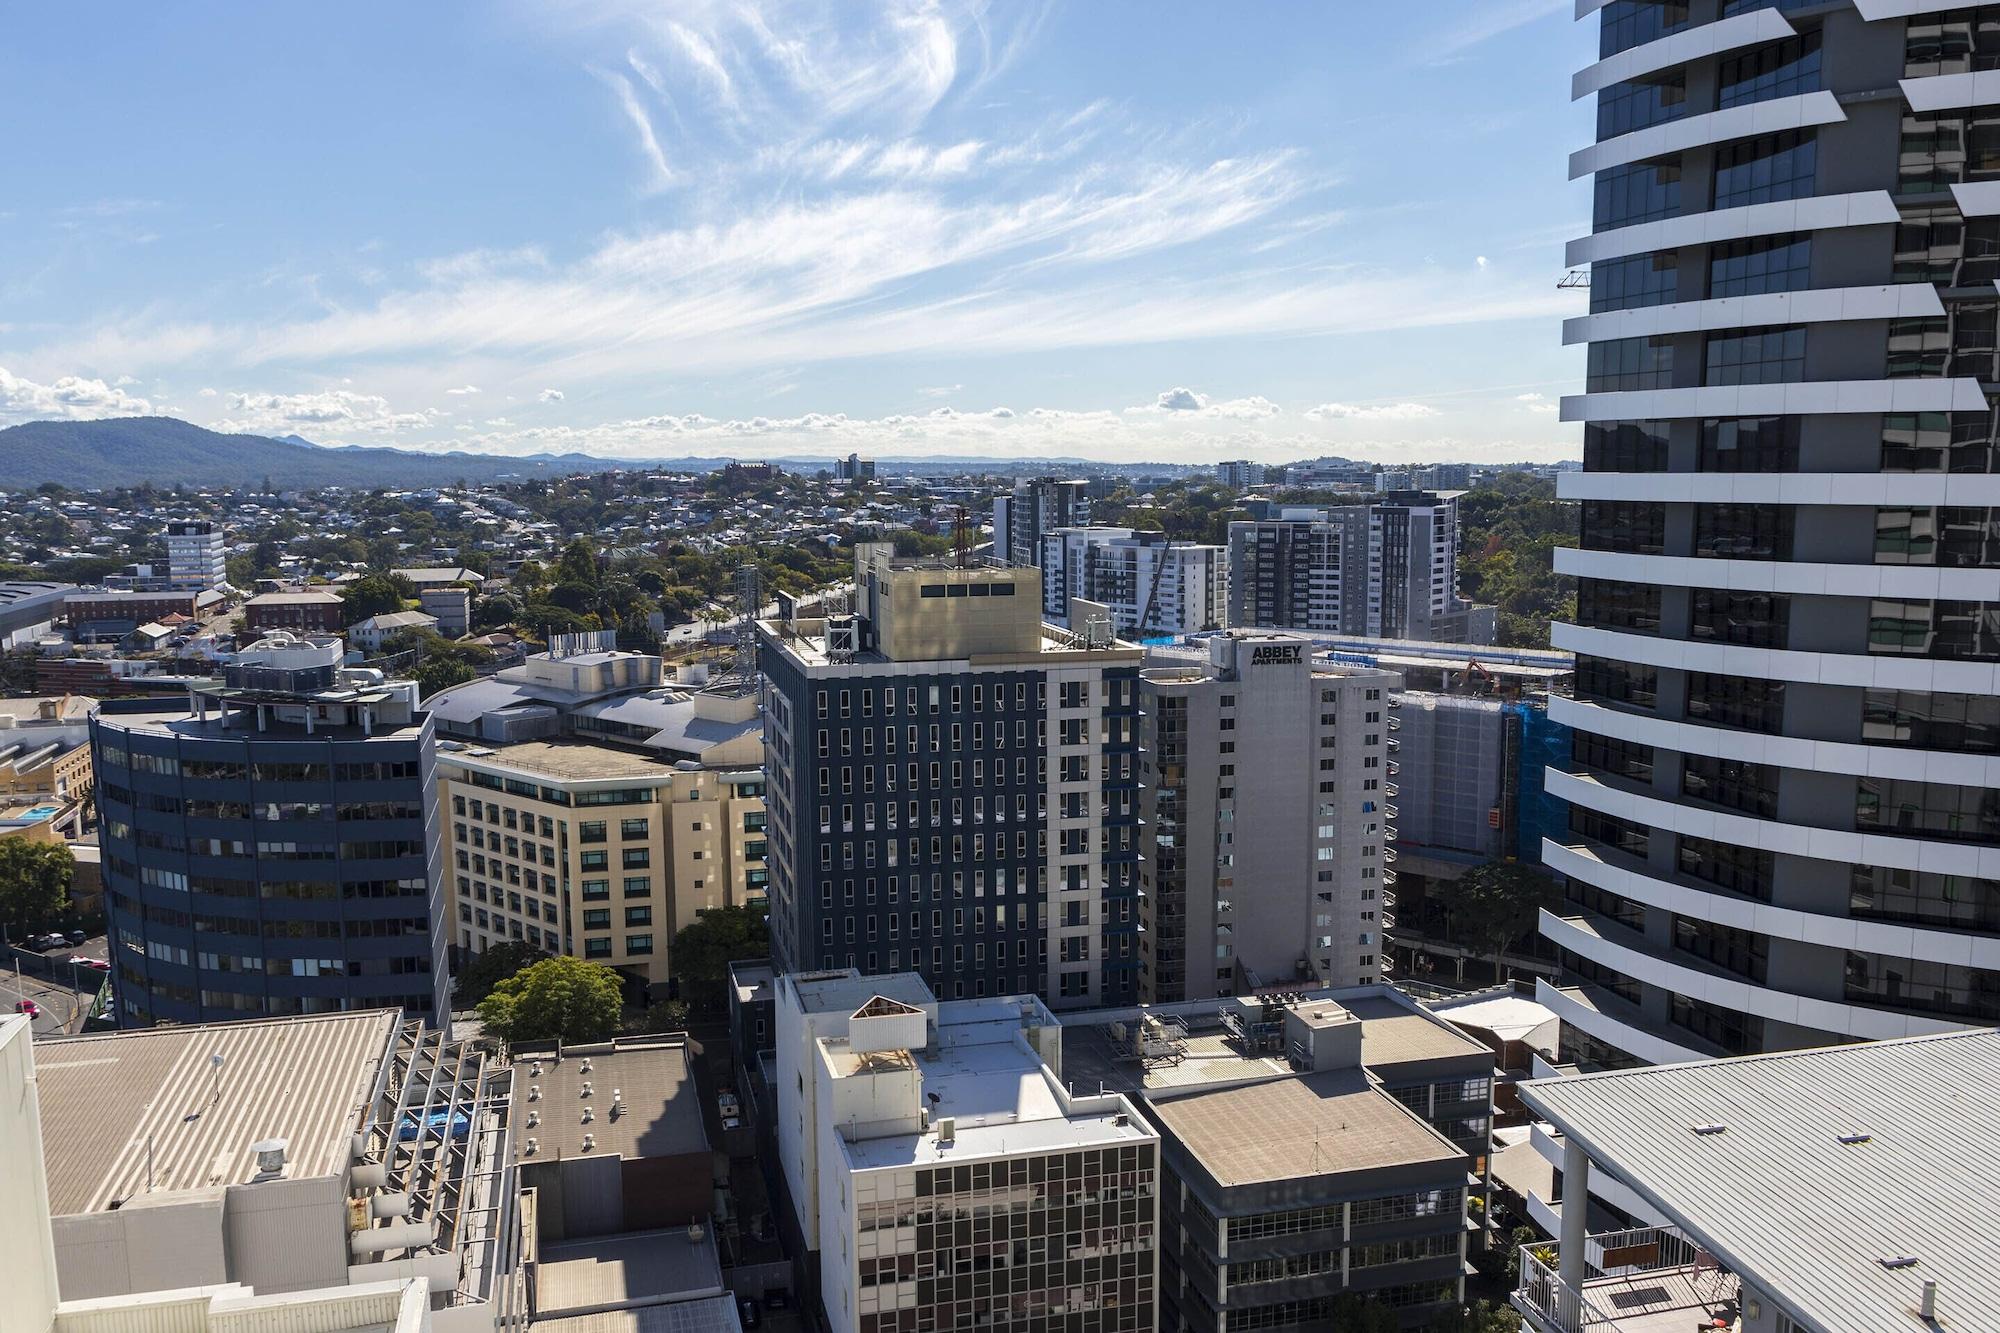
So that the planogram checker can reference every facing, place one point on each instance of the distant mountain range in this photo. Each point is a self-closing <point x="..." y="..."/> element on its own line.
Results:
<point x="125" y="451"/>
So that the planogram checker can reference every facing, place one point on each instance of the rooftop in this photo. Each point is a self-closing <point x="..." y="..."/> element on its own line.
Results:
<point x="298" y="597"/>
<point x="647" y="1266"/>
<point x="1315" y="1124"/>
<point x="1391" y="1035"/>
<point x="844" y="991"/>
<point x="105" y="1098"/>
<point x="662" y="1105"/>
<point x="1779" y="1198"/>
<point x="178" y="719"/>
<point x="566" y="760"/>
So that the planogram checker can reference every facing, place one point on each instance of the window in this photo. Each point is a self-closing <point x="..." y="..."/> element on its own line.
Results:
<point x="639" y="916"/>
<point x="1634" y="281"/>
<point x="1629" y="23"/>
<point x="1925" y="898"/>
<point x="591" y="830"/>
<point x="1765" y="264"/>
<point x="1752" y="619"/>
<point x="1963" y="41"/>
<point x="1625" y="446"/>
<point x="596" y="890"/>
<point x="1934" y="988"/>
<point x="1940" y="810"/>
<point x="1746" y="703"/>
<point x="633" y="828"/>
<point x="1727" y="865"/>
<point x="1918" y="720"/>
<point x="638" y="886"/>
<point x="1938" y="245"/>
<point x="1620" y="758"/>
<point x="1635" y="527"/>
<point x="1636" y="192"/>
<point x="1962" y="342"/>
<point x="1755" y="356"/>
<point x="1961" y="631"/>
<point x="1625" y="107"/>
<point x="1951" y="537"/>
<point x="1938" y="442"/>
<point x="1734" y="1031"/>
<point x="1750" y="444"/>
<point x="1604" y="604"/>
<point x="1943" y="148"/>
<point x="1607" y="681"/>
<point x="1743" y="532"/>
<point x="638" y="945"/>
<point x="1622" y="834"/>
<point x="1782" y="69"/>
<point x="1617" y="364"/>
<point x="599" y="947"/>
<point x="1751" y="788"/>
<point x="1766" y="169"/>
<point x="594" y="860"/>
<point x="597" y="918"/>
<point x="636" y="858"/>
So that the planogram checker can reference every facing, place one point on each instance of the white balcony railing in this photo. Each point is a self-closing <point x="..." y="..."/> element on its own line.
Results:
<point x="1634" y="1282"/>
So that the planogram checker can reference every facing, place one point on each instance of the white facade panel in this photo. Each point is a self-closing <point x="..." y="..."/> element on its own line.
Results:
<point x="1861" y="489"/>
<point x="1799" y="577"/>
<point x="1678" y="48"/>
<point x="1806" y="398"/>
<point x="1900" y="300"/>
<point x="1865" y="208"/>
<point x="1947" y="92"/>
<point x="1737" y="122"/>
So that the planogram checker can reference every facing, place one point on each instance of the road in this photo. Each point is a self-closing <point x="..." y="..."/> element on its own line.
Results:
<point x="63" y="1005"/>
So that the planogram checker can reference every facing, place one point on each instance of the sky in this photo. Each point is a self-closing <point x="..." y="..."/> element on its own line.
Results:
<point x="914" y="228"/>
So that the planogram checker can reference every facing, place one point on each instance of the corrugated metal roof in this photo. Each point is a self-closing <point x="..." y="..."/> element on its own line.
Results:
<point x="1783" y="1202"/>
<point x="304" y="1080"/>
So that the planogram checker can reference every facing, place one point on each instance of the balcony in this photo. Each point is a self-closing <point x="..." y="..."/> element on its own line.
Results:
<point x="1651" y="1280"/>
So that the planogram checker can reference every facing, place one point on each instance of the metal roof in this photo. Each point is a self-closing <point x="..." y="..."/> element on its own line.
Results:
<point x="123" y="1107"/>
<point x="1783" y="1202"/>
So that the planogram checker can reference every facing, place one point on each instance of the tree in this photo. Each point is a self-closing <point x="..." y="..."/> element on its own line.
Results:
<point x="1495" y="905"/>
<point x="704" y="949"/>
<point x="666" y="1016"/>
<point x="557" y="999"/>
<point x="481" y="972"/>
<point x="440" y="673"/>
<point x="375" y="595"/>
<point x="34" y="882"/>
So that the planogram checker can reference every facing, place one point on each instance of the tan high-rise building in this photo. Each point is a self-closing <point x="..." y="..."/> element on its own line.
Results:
<point x="596" y="850"/>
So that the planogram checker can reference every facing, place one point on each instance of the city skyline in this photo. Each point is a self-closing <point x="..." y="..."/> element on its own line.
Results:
<point x="722" y="229"/>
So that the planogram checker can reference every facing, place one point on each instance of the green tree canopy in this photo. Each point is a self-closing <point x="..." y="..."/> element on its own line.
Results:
<point x="34" y="882"/>
<point x="704" y="949"/>
<point x="481" y="972"/>
<point x="374" y="595"/>
<point x="556" y="999"/>
<point x="439" y="673"/>
<point x="1491" y="907"/>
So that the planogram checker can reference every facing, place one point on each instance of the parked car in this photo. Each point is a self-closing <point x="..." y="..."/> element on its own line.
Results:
<point x="36" y="944"/>
<point x="94" y="964"/>
<point x="28" y="1007"/>
<point x="753" y="1315"/>
<point x="75" y="937"/>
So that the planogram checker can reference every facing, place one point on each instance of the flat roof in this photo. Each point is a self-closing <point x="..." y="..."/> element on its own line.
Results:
<point x="709" y="1314"/>
<point x="645" y="1266"/>
<point x="1509" y="1017"/>
<point x="177" y="720"/>
<point x="307" y="1080"/>
<point x="1311" y="1125"/>
<point x="566" y="759"/>
<point x="1782" y="1201"/>
<point x="662" y="1115"/>
<point x="844" y="992"/>
<point x="1391" y="1035"/>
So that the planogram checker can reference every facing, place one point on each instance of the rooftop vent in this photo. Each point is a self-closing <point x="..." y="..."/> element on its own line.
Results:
<point x="1852" y="1139"/>
<point x="270" y="1158"/>
<point x="586" y="1067"/>
<point x="534" y="1118"/>
<point x="588" y="1115"/>
<point x="1715" y="1128"/>
<point x="534" y="1092"/>
<point x="586" y="1088"/>
<point x="534" y="1069"/>
<point x="1899" y="1261"/>
<point x="532" y="1145"/>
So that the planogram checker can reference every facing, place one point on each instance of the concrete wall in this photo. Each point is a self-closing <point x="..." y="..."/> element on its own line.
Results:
<point x="30" y="1264"/>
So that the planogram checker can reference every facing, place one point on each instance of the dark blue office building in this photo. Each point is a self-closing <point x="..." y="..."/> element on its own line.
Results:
<point x="270" y="847"/>
<point x="953" y="793"/>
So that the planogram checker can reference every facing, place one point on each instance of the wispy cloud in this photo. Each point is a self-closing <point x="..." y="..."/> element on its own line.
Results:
<point x="659" y="175"/>
<point x="1490" y="19"/>
<point x="1370" y="412"/>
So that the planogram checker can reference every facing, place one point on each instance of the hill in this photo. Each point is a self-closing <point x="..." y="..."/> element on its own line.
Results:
<point x="124" y="451"/>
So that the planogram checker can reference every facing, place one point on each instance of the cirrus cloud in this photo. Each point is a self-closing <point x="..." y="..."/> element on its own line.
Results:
<point x="1370" y="412"/>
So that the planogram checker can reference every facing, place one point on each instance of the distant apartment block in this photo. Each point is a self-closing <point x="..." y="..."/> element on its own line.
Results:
<point x="1240" y="475"/>
<point x="1036" y="507"/>
<point x="197" y="552"/>
<point x="1152" y="586"/>
<point x="1267" y="822"/>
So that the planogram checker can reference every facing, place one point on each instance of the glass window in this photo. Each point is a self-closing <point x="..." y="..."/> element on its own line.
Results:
<point x="1755" y="356"/>
<point x="1782" y="69"/>
<point x="1606" y="604"/>
<point x="1762" y="264"/>
<point x="1944" y="148"/>
<point x="1744" y="952"/>
<point x="1925" y="898"/>
<point x="1962" y="342"/>
<point x="1962" y="631"/>
<point x="1608" y="754"/>
<point x="1625" y="446"/>
<point x="1630" y="363"/>
<point x="1752" y="619"/>
<point x="1733" y="1030"/>
<point x="1624" y="107"/>
<point x="1637" y="192"/>
<point x="1937" y="245"/>
<point x="1745" y="702"/>
<point x="1628" y="23"/>
<point x="1919" y="720"/>
<point x="1941" y="810"/>
<point x="1934" y="988"/>
<point x="1750" y="444"/>
<point x="1961" y="41"/>
<point x="1610" y="830"/>
<point x="1751" y="788"/>
<point x="1950" y="537"/>
<point x="1938" y="442"/>
<point x="1636" y="527"/>
<point x="1727" y="865"/>
<point x="1743" y="532"/>
<point x="1634" y="281"/>
<point x="1604" y="680"/>
<point x="1761" y="170"/>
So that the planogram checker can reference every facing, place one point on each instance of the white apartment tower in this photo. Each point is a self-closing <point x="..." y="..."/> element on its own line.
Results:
<point x="196" y="551"/>
<point x="1267" y="830"/>
<point x="1785" y="788"/>
<point x="1152" y="586"/>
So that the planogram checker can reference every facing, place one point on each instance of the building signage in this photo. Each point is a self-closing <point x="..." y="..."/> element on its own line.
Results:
<point x="1278" y="654"/>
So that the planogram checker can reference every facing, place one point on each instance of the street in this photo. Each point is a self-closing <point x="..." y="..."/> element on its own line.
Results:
<point x="63" y="1006"/>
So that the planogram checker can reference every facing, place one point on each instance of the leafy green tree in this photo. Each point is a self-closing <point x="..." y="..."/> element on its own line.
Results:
<point x="481" y="972"/>
<point x="374" y="595"/>
<point x="666" y="1016"/>
<point x="561" y="998"/>
<point x="440" y="673"/>
<point x="577" y="563"/>
<point x="1491" y="907"/>
<point x="704" y="949"/>
<point x="34" y="882"/>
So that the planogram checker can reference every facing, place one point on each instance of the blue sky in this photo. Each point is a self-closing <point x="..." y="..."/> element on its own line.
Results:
<point x="1118" y="230"/>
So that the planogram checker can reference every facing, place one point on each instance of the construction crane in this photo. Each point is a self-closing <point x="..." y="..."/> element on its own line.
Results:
<point x="1153" y="589"/>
